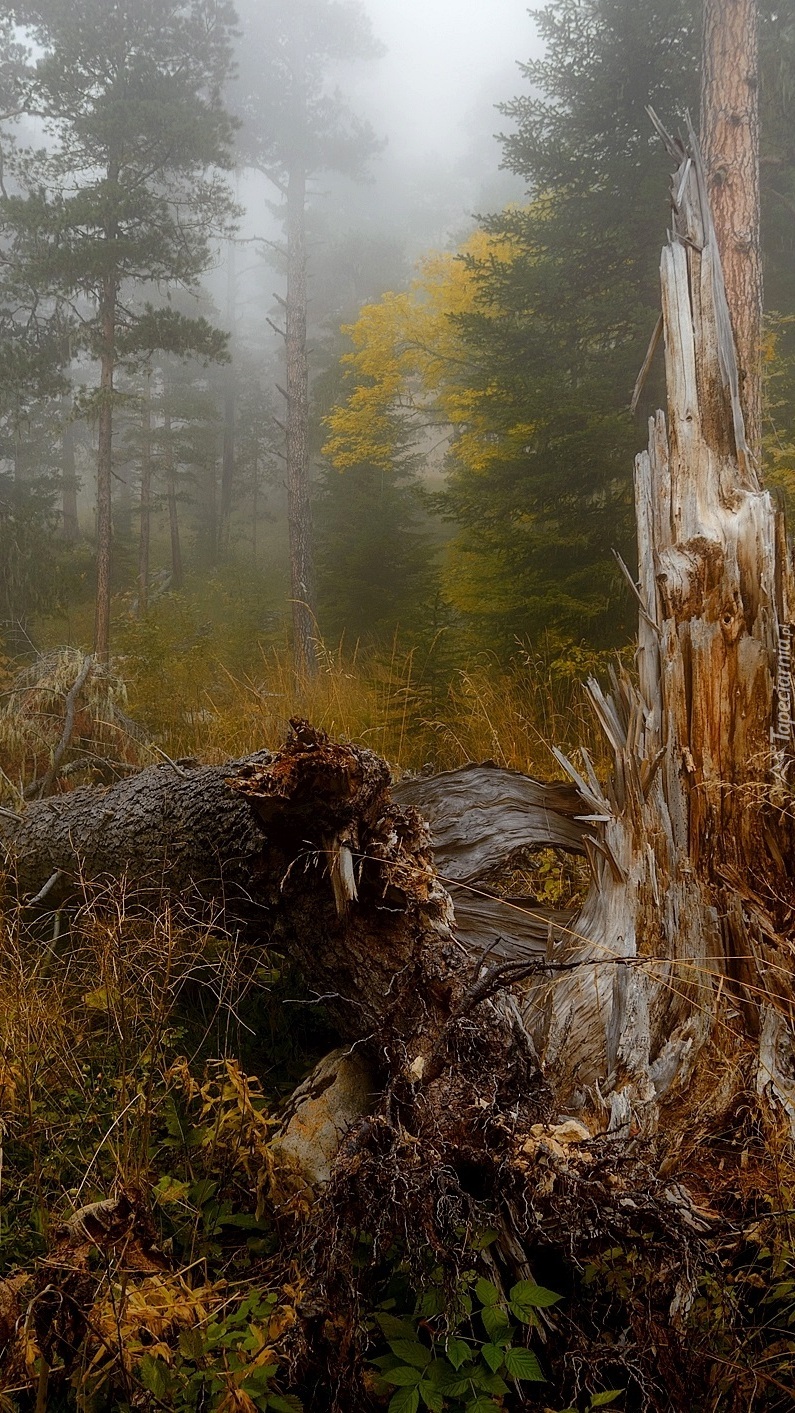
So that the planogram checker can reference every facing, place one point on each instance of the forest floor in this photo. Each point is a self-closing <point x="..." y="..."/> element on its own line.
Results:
<point x="145" y="1060"/>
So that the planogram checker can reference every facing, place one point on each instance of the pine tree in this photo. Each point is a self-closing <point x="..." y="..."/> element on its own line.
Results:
<point x="295" y="127"/>
<point x="580" y="301"/>
<point x="128" y="193"/>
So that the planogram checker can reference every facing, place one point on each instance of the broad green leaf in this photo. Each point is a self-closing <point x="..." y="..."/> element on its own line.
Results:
<point x="445" y="1379"/>
<point x="203" y="1191"/>
<point x="285" y="1403"/>
<point x="403" y="1376"/>
<point x="523" y="1364"/>
<point x="432" y="1302"/>
<point x="533" y="1297"/>
<point x="191" y="1345"/>
<point x="154" y="1376"/>
<point x="486" y="1293"/>
<point x="498" y="1326"/>
<point x="395" y="1329"/>
<point x="411" y="1352"/>
<point x="601" y="1400"/>
<point x="493" y="1355"/>
<point x="259" y="1374"/>
<point x="481" y="1405"/>
<point x="487" y="1380"/>
<point x="406" y="1400"/>
<point x="457" y="1352"/>
<point x="431" y="1397"/>
<point x="484" y="1239"/>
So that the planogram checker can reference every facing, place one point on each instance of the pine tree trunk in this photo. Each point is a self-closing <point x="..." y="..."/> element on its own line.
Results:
<point x="254" y="508"/>
<point x="173" y="509"/>
<point x="107" y="314"/>
<point x="730" y="144"/>
<point x="299" y="510"/>
<point x="228" y="455"/>
<point x="71" y="524"/>
<point x="146" y="502"/>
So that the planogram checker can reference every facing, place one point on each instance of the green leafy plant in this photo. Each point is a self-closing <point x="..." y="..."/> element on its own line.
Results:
<point x="227" y="1363"/>
<point x="468" y="1367"/>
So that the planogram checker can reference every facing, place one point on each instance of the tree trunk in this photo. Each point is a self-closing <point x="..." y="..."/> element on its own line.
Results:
<point x="166" y="828"/>
<point x="178" y="828"/>
<point x="299" y="511"/>
<point x="228" y="455"/>
<point x="209" y="535"/>
<point x="730" y="144"/>
<point x="71" y="524"/>
<point x="254" y="507"/>
<point x="173" y="510"/>
<point x="146" y="501"/>
<point x="107" y="314"/>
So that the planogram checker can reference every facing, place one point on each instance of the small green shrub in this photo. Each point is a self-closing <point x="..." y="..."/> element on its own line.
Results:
<point x="464" y="1367"/>
<point x="228" y="1364"/>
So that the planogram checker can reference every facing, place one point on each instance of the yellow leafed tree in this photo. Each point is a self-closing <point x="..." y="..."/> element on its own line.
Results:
<point x="409" y="363"/>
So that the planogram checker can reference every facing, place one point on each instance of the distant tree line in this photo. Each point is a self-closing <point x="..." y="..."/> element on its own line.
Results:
<point x="527" y="344"/>
<point x="460" y="458"/>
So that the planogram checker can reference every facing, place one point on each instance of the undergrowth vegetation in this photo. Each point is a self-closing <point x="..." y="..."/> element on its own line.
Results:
<point x="146" y="1215"/>
<point x="137" y="1179"/>
<point x="150" y="1248"/>
<point x="208" y="673"/>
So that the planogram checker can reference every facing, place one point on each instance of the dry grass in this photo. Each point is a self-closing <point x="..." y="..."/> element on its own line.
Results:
<point x="396" y="703"/>
<point x="208" y="674"/>
<point x="120" y="1080"/>
<point x="33" y="710"/>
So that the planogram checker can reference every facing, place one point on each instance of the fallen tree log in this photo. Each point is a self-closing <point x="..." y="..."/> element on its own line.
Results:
<point x="178" y="828"/>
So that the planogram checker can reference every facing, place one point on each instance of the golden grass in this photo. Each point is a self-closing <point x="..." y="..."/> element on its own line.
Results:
<point x="397" y="703"/>
<point x="208" y="673"/>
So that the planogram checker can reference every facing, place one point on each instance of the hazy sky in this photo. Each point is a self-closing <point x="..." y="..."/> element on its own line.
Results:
<point x="442" y="56"/>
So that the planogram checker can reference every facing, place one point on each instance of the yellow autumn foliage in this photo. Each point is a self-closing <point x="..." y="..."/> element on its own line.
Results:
<point x="408" y="365"/>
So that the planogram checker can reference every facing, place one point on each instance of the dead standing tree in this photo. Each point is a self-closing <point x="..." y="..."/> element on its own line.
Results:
<point x="695" y="829"/>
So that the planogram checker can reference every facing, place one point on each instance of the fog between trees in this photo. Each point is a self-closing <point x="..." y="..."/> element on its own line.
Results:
<point x="319" y="406"/>
<point x="215" y="356"/>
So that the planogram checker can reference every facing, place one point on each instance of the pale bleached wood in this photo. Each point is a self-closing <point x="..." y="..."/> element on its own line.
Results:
<point x="685" y="978"/>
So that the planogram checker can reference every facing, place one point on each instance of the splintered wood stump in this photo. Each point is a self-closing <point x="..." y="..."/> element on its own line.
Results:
<point x="688" y="925"/>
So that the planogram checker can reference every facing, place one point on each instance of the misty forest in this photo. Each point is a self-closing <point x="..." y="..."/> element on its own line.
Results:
<point x="397" y="806"/>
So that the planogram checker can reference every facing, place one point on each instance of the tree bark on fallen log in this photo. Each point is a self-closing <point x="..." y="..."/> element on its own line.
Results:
<point x="178" y="828"/>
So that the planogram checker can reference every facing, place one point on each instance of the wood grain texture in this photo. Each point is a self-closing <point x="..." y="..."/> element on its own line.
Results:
<point x="686" y="932"/>
<point x="730" y="142"/>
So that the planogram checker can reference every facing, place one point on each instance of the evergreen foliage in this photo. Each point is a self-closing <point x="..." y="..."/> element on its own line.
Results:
<point x="563" y="327"/>
<point x="127" y="192"/>
<point x="292" y="115"/>
<point x="376" y="564"/>
<point x="131" y="96"/>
